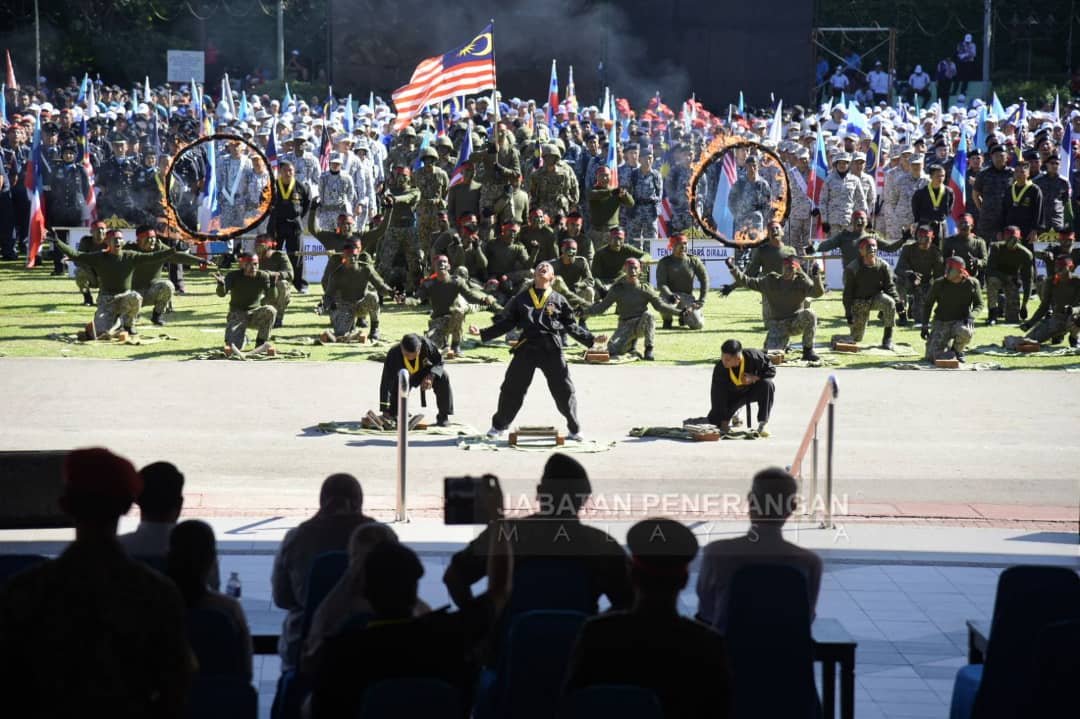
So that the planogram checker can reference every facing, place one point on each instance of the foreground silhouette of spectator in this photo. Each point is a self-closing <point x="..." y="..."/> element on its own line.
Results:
<point x="650" y="646"/>
<point x="442" y="645"/>
<point x="191" y="559"/>
<point x="772" y="499"/>
<point x="341" y="503"/>
<point x="554" y="532"/>
<point x="347" y="601"/>
<point x="160" y="502"/>
<point x="93" y="632"/>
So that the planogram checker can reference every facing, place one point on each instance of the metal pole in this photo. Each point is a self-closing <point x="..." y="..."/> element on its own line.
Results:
<point x="813" y="471"/>
<point x="829" y="465"/>
<point x="281" y="40"/>
<point x="402" y="442"/>
<point x="37" y="46"/>
<point x="988" y="18"/>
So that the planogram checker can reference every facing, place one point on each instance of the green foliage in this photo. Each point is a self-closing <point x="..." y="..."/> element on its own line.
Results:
<point x="1035" y="92"/>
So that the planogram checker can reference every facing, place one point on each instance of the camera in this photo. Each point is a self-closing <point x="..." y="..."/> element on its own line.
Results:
<point x="471" y="500"/>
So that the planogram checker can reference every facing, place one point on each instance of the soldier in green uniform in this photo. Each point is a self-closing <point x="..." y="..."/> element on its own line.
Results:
<point x="467" y="260"/>
<point x="507" y="262"/>
<point x="272" y="260"/>
<point x="604" y="204"/>
<point x="147" y="281"/>
<point x="1011" y="267"/>
<point x="785" y="297"/>
<point x="432" y="183"/>
<point x="118" y="304"/>
<point x="401" y="232"/>
<point x="1059" y="300"/>
<point x="447" y="159"/>
<point x="847" y="241"/>
<point x="403" y="153"/>
<point x="349" y="296"/>
<point x="869" y="286"/>
<point x="769" y="258"/>
<point x="611" y="259"/>
<point x="967" y="245"/>
<point x="631" y="300"/>
<point x="538" y="237"/>
<point x="675" y="275"/>
<point x="919" y="264"/>
<point x="553" y="188"/>
<point x="450" y="296"/>
<point x="513" y="204"/>
<point x="958" y="298"/>
<point x="246" y="288"/>
<point x="85" y="278"/>
<point x="464" y="197"/>
<point x="575" y="272"/>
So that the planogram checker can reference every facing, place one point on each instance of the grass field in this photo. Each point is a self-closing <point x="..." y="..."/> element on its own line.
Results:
<point x="34" y="306"/>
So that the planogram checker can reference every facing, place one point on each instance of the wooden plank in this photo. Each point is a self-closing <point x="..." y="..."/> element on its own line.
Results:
<point x="947" y="363"/>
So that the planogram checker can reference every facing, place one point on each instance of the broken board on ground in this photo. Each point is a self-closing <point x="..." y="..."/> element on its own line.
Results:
<point x="535" y="432"/>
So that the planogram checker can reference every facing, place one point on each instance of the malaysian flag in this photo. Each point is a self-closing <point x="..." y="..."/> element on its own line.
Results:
<point x="463" y="157"/>
<point x="958" y="182"/>
<point x="553" y="98"/>
<point x="612" y="163"/>
<point x="464" y="70"/>
<point x="34" y="193"/>
<point x="664" y="219"/>
<point x="325" y="148"/>
<point x="90" y="208"/>
<point x="819" y="170"/>
<point x="729" y="173"/>
<point x="876" y="168"/>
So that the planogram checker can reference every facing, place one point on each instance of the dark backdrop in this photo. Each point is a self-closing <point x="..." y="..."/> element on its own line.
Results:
<point x="713" y="48"/>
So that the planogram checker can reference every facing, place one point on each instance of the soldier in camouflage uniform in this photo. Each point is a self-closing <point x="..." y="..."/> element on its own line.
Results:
<point x="401" y="232"/>
<point x="147" y="281"/>
<point x="1010" y="267"/>
<point x="858" y="165"/>
<point x="553" y="188"/>
<point x="230" y="175"/>
<point x="991" y="194"/>
<point x="271" y="260"/>
<point x="869" y="286"/>
<point x="675" y="275"/>
<point x="903" y="187"/>
<point x="647" y="188"/>
<point x="349" y="296"/>
<point x="1057" y="304"/>
<point x="337" y="194"/>
<point x="919" y="264"/>
<point x="631" y="300"/>
<point x="447" y="157"/>
<point x="749" y="199"/>
<point x="958" y="299"/>
<point x="246" y="287"/>
<point x="432" y="183"/>
<point x="842" y="195"/>
<point x="450" y="296"/>
<point x="799" y="224"/>
<point x="677" y="187"/>
<point x="785" y="298"/>
<point x="494" y="167"/>
<point x="85" y="278"/>
<point x="467" y="260"/>
<point x="403" y="153"/>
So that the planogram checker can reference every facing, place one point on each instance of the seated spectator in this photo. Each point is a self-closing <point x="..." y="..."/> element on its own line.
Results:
<point x="772" y="499"/>
<point x="192" y="557"/>
<point x="340" y="512"/>
<point x="442" y="644"/>
<point x="553" y="532"/>
<point x="94" y="633"/>
<point x="347" y="599"/>
<point x="160" y="503"/>
<point x="650" y="645"/>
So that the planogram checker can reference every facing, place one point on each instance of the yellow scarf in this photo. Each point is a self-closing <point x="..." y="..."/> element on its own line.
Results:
<point x="936" y="201"/>
<point x="286" y="194"/>
<point x="539" y="302"/>
<point x="414" y="367"/>
<point x="1015" y="197"/>
<point x="737" y="380"/>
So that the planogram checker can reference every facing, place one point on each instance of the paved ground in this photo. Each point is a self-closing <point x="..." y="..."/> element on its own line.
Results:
<point x="973" y="446"/>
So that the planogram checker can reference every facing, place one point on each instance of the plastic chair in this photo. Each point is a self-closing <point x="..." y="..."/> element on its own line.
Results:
<point x="530" y="676"/>
<point x="326" y="569"/>
<point x="1028" y="598"/>
<point x="769" y="644"/>
<point x="217" y="643"/>
<point x="550" y="584"/>
<point x="222" y="698"/>
<point x="1057" y="662"/>
<point x="611" y="700"/>
<point x="411" y="697"/>
<point x="12" y="564"/>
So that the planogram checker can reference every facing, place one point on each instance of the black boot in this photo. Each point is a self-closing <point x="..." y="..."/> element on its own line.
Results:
<point x="130" y="329"/>
<point x="667" y="324"/>
<point x="279" y="322"/>
<point x="901" y="317"/>
<point x="992" y="317"/>
<point x="648" y="353"/>
<point x="374" y="334"/>
<point x="886" y="339"/>
<point x="87" y="298"/>
<point x="1072" y="341"/>
<point x="157" y="319"/>
<point x="809" y="355"/>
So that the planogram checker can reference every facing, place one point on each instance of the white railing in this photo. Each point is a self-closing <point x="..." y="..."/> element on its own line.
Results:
<point x="827" y="402"/>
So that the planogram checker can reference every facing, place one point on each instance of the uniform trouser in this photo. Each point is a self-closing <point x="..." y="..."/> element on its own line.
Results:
<point x="119" y="309"/>
<point x="763" y="391"/>
<point x="797" y="233"/>
<point x="21" y="203"/>
<point x="236" y="324"/>
<point x="290" y="242"/>
<point x="594" y="240"/>
<point x="404" y="239"/>
<point x="344" y="315"/>
<point x="527" y="358"/>
<point x="861" y="309"/>
<point x="57" y="255"/>
<point x="176" y="270"/>
<point x="803" y="322"/>
<point x="912" y="295"/>
<point x="630" y="329"/>
<point x="279" y="296"/>
<point x="159" y="294"/>
<point x="1051" y="327"/>
<point x="997" y="283"/>
<point x="447" y="329"/>
<point x="942" y="332"/>
<point x="444" y="395"/>
<point x="427" y="225"/>
<point x="326" y="217"/>
<point x="694" y="319"/>
<point x="643" y="224"/>
<point x="85" y="278"/>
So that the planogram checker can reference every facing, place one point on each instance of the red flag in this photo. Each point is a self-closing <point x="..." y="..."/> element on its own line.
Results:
<point x="33" y="191"/>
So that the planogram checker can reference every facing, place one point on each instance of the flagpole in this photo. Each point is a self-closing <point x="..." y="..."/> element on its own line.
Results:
<point x="37" y="45"/>
<point x="494" y="81"/>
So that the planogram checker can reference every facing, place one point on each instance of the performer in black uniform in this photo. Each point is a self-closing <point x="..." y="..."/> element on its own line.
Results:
<point x="542" y="315"/>
<point x="742" y="376"/>
<point x="422" y="359"/>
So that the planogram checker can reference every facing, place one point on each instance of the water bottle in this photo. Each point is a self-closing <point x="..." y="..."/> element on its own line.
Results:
<point x="232" y="587"/>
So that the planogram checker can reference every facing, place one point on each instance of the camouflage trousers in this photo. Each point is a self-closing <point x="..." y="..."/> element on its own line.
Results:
<point x="326" y="218"/>
<point x="942" y="332"/>
<point x="912" y="295"/>
<point x="237" y="321"/>
<point x="803" y="322"/>
<point x="695" y="319"/>
<point x="406" y="240"/>
<point x="159" y="294"/>
<point x="629" y="330"/>
<point x="344" y="315"/>
<point x="681" y="220"/>
<point x="85" y="279"/>
<point x="1053" y="326"/>
<point x="642" y="225"/>
<point x="590" y="242"/>
<point x="797" y="233"/>
<point x="427" y="226"/>
<point x="997" y="283"/>
<point x="861" y="309"/>
<point x="279" y="296"/>
<point x="112" y="310"/>
<point x="447" y="329"/>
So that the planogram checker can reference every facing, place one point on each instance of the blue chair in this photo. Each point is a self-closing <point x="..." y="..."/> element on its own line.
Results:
<point x="217" y="643"/>
<point x="12" y="564"/>
<point x="769" y="644"/>
<point x="1057" y="663"/>
<point x="531" y="671"/>
<point x="1028" y="599"/>
<point x="612" y="700"/>
<point x="411" y="697"/>
<point x="222" y="698"/>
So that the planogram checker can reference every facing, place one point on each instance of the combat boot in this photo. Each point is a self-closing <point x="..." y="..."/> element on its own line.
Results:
<point x="648" y="356"/>
<point x="886" y="339"/>
<point x="87" y="298"/>
<point x="901" y="317"/>
<point x="374" y="336"/>
<point x="809" y="355"/>
<point x="667" y="324"/>
<point x="157" y="319"/>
